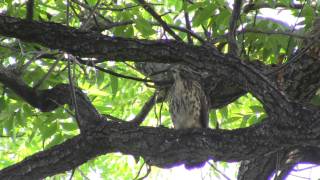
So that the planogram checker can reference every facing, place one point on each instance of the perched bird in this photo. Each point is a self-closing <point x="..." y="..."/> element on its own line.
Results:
<point x="188" y="104"/>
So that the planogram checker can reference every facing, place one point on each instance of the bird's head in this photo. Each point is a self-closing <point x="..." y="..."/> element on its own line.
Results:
<point x="183" y="71"/>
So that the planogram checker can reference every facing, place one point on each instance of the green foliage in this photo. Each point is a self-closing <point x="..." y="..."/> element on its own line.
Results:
<point x="25" y="131"/>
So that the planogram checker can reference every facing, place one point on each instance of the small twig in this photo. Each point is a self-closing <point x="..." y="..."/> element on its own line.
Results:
<point x="73" y="93"/>
<point x="117" y="24"/>
<point x="101" y="27"/>
<point x="83" y="175"/>
<point x="37" y="85"/>
<point x="118" y="9"/>
<point x="21" y="48"/>
<point x="17" y="136"/>
<point x="30" y="5"/>
<point x="165" y="26"/>
<point x="148" y="172"/>
<point x="72" y="174"/>
<point x="188" y="26"/>
<point x="112" y="117"/>
<point x="278" y="165"/>
<point x="253" y="25"/>
<point x="137" y="176"/>
<point x="9" y="47"/>
<point x="216" y="169"/>
<point x="121" y="75"/>
<point x="181" y="29"/>
<point x="300" y="177"/>
<point x="92" y="64"/>
<point x="145" y="110"/>
<point x="92" y="12"/>
<point x="67" y="110"/>
<point x="26" y="65"/>
<point x="303" y="169"/>
<point x="68" y="12"/>
<point x="243" y="51"/>
<point x="300" y="53"/>
<point x="85" y="6"/>
<point x="206" y="32"/>
<point x="233" y="47"/>
<point x="293" y="28"/>
<point x="160" y="111"/>
<point x="259" y="31"/>
<point x="129" y="65"/>
<point x="256" y="6"/>
<point x="138" y="119"/>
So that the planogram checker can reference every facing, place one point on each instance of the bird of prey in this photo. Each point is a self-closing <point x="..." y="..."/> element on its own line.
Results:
<point x="188" y="104"/>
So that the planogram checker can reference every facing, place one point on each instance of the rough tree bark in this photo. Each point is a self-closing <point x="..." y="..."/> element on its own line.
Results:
<point x="292" y="124"/>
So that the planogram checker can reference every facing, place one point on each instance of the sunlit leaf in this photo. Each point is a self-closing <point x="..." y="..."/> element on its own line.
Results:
<point x="114" y="85"/>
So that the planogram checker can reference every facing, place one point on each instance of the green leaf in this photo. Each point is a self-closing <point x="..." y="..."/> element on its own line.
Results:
<point x="69" y="126"/>
<point x="144" y="27"/>
<point x="224" y="112"/>
<point x="316" y="100"/>
<point x="56" y="140"/>
<point x="195" y="6"/>
<point x="244" y="121"/>
<point x="34" y="131"/>
<point x="178" y="5"/>
<point x="2" y="103"/>
<point x="9" y="124"/>
<point x="213" y="118"/>
<point x="100" y="78"/>
<point x="47" y="132"/>
<point x="20" y="118"/>
<point x="231" y="120"/>
<point x="252" y="120"/>
<point x="257" y="108"/>
<point x="114" y="85"/>
<point x="203" y="14"/>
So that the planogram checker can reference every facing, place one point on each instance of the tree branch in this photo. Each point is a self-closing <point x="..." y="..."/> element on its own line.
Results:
<point x="50" y="99"/>
<point x="185" y="30"/>
<point x="161" y="147"/>
<point x="256" y="6"/>
<point x="145" y="110"/>
<point x="30" y="6"/>
<point x="90" y="44"/>
<point x="233" y="47"/>
<point x="188" y="26"/>
<point x="165" y="26"/>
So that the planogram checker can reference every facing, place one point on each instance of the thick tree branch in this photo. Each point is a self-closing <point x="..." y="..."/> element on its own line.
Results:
<point x="50" y="99"/>
<point x="263" y="167"/>
<point x="243" y="73"/>
<point x="289" y="124"/>
<point x="161" y="147"/>
<point x="176" y="147"/>
<point x="201" y="144"/>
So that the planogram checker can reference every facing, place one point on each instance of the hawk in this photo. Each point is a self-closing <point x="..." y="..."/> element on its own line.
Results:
<point x="188" y="104"/>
